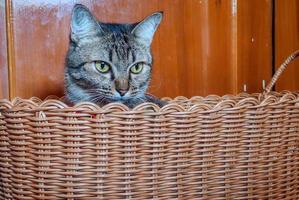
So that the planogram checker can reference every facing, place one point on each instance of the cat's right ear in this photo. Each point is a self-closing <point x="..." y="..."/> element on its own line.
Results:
<point x="83" y="23"/>
<point x="144" y="31"/>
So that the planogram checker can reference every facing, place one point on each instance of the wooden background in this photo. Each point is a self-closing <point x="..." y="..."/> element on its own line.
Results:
<point x="202" y="46"/>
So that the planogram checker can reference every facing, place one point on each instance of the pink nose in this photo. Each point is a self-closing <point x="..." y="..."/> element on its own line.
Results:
<point x="122" y="92"/>
<point x="122" y="86"/>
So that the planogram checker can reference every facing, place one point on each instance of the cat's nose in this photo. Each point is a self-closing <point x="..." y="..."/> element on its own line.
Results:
<point x="122" y="92"/>
<point x="122" y="86"/>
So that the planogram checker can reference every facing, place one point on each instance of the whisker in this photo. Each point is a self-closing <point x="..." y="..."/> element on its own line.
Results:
<point x="94" y="99"/>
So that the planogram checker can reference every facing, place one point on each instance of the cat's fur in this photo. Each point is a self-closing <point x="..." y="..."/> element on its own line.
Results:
<point x="120" y="45"/>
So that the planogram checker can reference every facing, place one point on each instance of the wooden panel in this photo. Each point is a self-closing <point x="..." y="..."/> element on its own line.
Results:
<point x="40" y="39"/>
<point x="254" y="48"/>
<point x="287" y="41"/>
<point x="3" y="53"/>
<point x="202" y="46"/>
<point x="208" y="66"/>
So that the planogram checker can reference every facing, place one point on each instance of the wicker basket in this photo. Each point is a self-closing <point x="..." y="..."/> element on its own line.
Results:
<point x="230" y="147"/>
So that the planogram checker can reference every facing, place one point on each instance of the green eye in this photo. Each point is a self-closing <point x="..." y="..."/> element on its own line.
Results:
<point x="102" y="66"/>
<point x="136" y="69"/>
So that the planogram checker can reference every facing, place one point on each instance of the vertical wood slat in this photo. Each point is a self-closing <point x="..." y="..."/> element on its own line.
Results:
<point x="3" y="53"/>
<point x="207" y="48"/>
<point x="287" y="41"/>
<point x="202" y="47"/>
<point x="10" y="48"/>
<point x="254" y="44"/>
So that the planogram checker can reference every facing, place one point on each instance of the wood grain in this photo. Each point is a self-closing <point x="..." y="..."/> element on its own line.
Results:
<point x="287" y="41"/>
<point x="254" y="48"/>
<point x="208" y="47"/>
<point x="202" y="46"/>
<point x="4" y="92"/>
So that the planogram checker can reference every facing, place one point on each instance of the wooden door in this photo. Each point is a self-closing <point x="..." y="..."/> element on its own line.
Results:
<point x="287" y="41"/>
<point x="4" y="93"/>
<point x="202" y="47"/>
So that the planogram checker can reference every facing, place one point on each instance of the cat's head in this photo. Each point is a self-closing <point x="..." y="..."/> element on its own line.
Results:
<point x="108" y="62"/>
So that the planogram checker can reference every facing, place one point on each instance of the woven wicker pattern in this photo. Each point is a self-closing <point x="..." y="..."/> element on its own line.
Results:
<point x="231" y="147"/>
<point x="212" y="148"/>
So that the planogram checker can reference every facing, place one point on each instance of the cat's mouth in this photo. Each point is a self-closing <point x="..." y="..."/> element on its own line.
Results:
<point x="118" y="96"/>
<point x="112" y="95"/>
<point x="124" y="97"/>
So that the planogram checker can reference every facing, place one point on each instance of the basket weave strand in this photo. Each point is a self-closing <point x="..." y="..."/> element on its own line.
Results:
<point x="232" y="147"/>
<point x="280" y="70"/>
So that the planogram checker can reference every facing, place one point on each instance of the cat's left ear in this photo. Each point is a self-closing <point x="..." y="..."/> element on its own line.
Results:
<point x="144" y="31"/>
<point x="83" y="23"/>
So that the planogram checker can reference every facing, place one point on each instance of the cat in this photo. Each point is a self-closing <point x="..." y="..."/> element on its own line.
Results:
<point x="109" y="62"/>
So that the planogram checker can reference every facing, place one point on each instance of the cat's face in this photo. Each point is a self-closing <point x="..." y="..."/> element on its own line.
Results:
<point x="108" y="62"/>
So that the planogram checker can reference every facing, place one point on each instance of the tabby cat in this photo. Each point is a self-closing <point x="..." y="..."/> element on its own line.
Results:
<point x="109" y="62"/>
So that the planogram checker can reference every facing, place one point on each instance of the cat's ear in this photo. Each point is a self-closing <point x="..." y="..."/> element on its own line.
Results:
<point x="83" y="23"/>
<point x="145" y="30"/>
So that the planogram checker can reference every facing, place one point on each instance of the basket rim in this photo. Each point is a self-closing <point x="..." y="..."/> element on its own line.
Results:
<point x="177" y="104"/>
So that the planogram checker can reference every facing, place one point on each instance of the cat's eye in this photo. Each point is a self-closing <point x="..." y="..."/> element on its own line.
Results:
<point x="102" y="66"/>
<point x="137" y="68"/>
